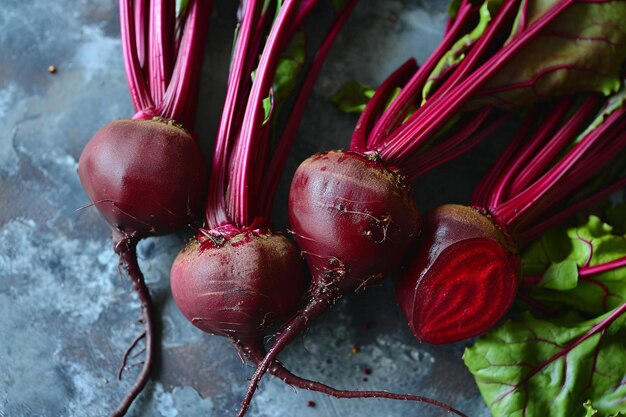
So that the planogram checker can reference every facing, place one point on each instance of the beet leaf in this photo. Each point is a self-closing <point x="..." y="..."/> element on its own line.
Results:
<point x="533" y="367"/>
<point x="590" y="39"/>
<point x="567" y="282"/>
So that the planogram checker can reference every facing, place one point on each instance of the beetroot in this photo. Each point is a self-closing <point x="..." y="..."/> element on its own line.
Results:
<point x="238" y="286"/>
<point x="479" y="262"/>
<point x="352" y="218"/>
<point x="146" y="175"/>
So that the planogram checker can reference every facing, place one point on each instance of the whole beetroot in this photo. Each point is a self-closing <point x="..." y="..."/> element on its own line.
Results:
<point x="146" y="175"/>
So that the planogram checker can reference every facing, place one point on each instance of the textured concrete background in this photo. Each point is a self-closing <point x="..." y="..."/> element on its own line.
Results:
<point x="66" y="315"/>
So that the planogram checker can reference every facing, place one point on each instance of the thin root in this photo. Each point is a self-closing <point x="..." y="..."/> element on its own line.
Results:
<point x="127" y="353"/>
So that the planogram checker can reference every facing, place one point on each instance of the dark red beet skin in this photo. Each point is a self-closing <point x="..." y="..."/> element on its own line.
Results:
<point x="146" y="177"/>
<point x="463" y="278"/>
<point x="353" y="219"/>
<point x="239" y="287"/>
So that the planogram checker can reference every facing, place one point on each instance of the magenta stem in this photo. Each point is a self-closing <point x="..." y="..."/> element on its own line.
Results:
<point x="397" y="110"/>
<point x="377" y="104"/>
<point x="524" y="156"/>
<point x="462" y="140"/>
<point x="140" y="33"/>
<point x="540" y="161"/>
<point x="584" y="271"/>
<point x="136" y="83"/>
<point x="181" y="94"/>
<point x="241" y="196"/>
<point x="414" y="133"/>
<point x="161" y="29"/>
<point x="484" y="191"/>
<point x="216" y="208"/>
<point x="601" y="268"/>
<point x="522" y="209"/>
<point x="278" y="160"/>
<point x="538" y="229"/>
<point x="504" y="14"/>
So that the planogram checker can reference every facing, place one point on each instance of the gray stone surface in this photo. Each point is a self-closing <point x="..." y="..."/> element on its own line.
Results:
<point x="66" y="314"/>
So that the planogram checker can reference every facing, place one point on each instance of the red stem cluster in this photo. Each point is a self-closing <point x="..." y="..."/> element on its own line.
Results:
<point x="246" y="164"/>
<point x="420" y="142"/>
<point x="163" y="64"/>
<point x="542" y="169"/>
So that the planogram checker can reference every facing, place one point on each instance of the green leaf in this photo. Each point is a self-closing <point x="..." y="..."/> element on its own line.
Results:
<point x="519" y="373"/>
<point x="615" y="102"/>
<point x="560" y="276"/>
<point x="453" y="8"/>
<point x="182" y="6"/>
<point x="592" y="412"/>
<point x="593" y="243"/>
<point x="352" y="97"/>
<point x="338" y="5"/>
<point x="456" y="54"/>
<point x="289" y="67"/>
<point x="582" y="50"/>
<point x="553" y="246"/>
<point x="267" y="109"/>
<point x="288" y="70"/>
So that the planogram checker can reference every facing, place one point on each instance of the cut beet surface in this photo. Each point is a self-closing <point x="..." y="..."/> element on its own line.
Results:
<point x="463" y="278"/>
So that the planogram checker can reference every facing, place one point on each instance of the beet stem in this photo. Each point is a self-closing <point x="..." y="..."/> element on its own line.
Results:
<point x="126" y="248"/>
<point x="136" y="83"/>
<point x="376" y="105"/>
<point x="526" y="207"/>
<point x="417" y="131"/>
<point x="537" y="230"/>
<point x="161" y="29"/>
<point x="542" y="137"/>
<point x="216" y="212"/>
<point x="540" y="161"/>
<point x="397" y="110"/>
<point x="279" y="159"/>
<point x="242" y="196"/>
<point x="181" y="95"/>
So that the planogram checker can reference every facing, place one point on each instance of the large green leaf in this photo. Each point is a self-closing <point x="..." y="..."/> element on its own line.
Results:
<point x="558" y="256"/>
<point x="582" y="50"/>
<point x="519" y="373"/>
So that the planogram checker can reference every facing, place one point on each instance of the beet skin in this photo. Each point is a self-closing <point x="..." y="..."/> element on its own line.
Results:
<point x="353" y="218"/>
<point x="237" y="287"/>
<point x="146" y="177"/>
<point x="463" y="278"/>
